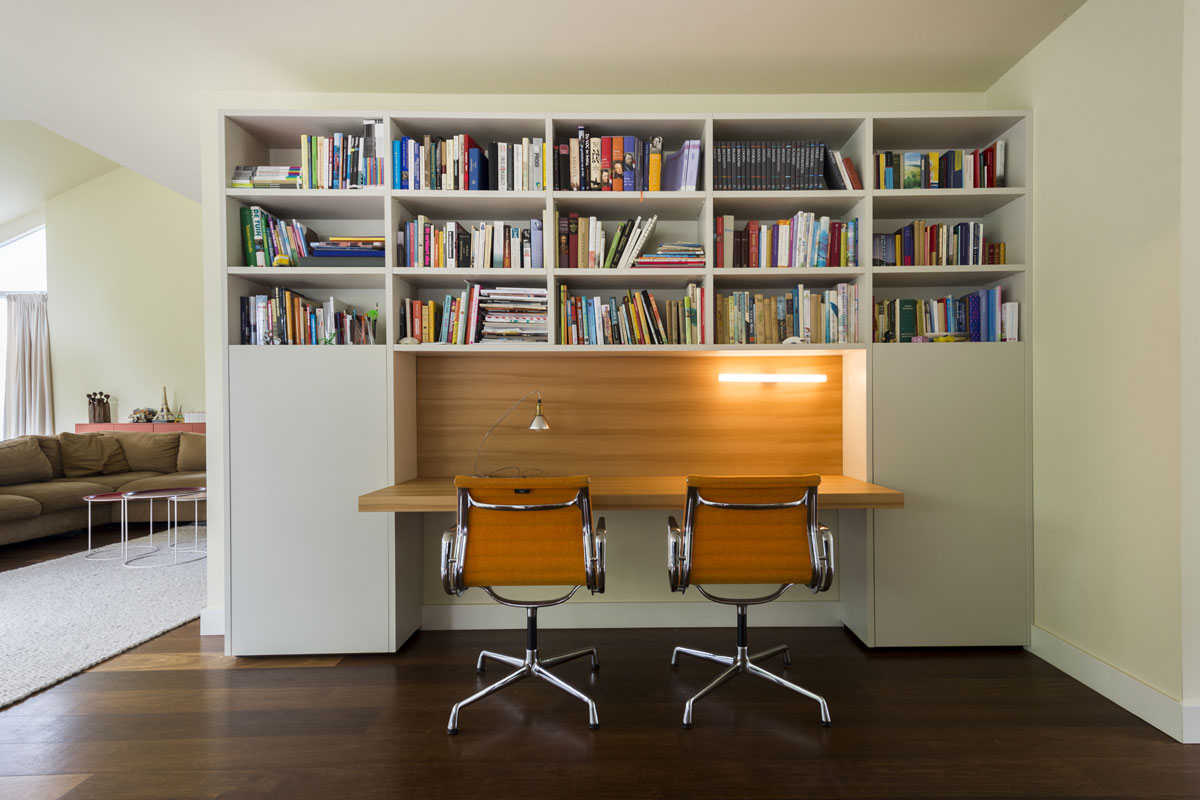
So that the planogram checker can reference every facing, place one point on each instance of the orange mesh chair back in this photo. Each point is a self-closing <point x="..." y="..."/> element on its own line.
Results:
<point x="525" y="532"/>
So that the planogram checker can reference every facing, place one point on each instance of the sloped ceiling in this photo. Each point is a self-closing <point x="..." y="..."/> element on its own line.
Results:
<point x="124" y="78"/>
<point x="38" y="164"/>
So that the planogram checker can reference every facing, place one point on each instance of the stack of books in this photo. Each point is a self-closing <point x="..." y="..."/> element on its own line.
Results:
<point x="583" y="243"/>
<point x="345" y="251"/>
<point x="977" y="317"/>
<point x="981" y="168"/>
<point x="288" y="317"/>
<point x="803" y="240"/>
<point x="488" y="245"/>
<point x="673" y="255"/>
<point x="817" y="316"/>
<point x="344" y="160"/>
<point x="638" y="319"/>
<point x="265" y="177"/>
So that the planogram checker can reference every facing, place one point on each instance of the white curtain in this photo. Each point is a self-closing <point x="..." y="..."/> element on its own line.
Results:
<point x="28" y="403"/>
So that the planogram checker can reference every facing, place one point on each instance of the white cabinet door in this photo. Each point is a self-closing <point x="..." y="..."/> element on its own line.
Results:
<point x="308" y="434"/>
<point x="952" y="566"/>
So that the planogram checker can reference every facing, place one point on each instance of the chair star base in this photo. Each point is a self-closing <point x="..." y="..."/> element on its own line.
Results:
<point x="534" y="666"/>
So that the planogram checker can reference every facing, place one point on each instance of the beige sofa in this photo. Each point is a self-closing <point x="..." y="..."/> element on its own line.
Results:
<point x="43" y="479"/>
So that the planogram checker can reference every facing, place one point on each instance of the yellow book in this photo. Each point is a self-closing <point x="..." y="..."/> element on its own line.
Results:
<point x="655" y="172"/>
<point x="933" y="170"/>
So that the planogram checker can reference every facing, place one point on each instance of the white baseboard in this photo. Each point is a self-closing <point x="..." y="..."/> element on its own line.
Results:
<point x="1165" y="713"/>
<point x="492" y="616"/>
<point x="212" y="622"/>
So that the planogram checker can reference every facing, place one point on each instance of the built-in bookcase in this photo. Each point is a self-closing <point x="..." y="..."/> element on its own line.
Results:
<point x="873" y="375"/>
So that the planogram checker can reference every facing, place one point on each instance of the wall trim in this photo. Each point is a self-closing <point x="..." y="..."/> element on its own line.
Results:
<point x="212" y="621"/>
<point x="1165" y="713"/>
<point x="492" y="616"/>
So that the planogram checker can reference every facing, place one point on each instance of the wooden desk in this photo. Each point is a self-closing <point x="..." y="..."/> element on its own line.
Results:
<point x="647" y="492"/>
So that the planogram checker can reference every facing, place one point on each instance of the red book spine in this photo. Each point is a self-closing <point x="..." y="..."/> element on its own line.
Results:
<point x="720" y="233"/>
<point x="752" y="236"/>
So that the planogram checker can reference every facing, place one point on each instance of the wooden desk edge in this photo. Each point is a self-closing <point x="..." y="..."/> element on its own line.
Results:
<point x="407" y="497"/>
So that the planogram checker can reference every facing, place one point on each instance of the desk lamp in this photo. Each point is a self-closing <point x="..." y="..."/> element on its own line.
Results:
<point x="538" y="423"/>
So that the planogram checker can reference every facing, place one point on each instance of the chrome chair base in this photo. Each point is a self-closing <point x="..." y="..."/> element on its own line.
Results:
<point x="743" y="662"/>
<point x="531" y="665"/>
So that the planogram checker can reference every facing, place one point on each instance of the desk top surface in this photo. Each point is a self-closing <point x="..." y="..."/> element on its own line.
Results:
<point x="626" y="492"/>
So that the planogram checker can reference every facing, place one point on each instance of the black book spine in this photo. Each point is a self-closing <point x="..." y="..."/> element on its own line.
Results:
<point x="493" y="165"/>
<point x="585" y="158"/>
<point x="245" y="309"/>
<point x="562" y="176"/>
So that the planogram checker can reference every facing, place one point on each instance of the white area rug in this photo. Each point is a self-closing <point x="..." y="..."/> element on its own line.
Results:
<point x="60" y="617"/>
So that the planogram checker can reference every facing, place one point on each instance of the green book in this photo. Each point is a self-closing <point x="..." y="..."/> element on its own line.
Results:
<point x="907" y="321"/>
<point x="612" y="248"/>
<point x="248" y="235"/>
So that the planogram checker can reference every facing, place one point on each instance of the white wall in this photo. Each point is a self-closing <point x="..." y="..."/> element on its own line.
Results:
<point x="1105" y="90"/>
<point x="125" y="302"/>
<point x="1189" y="363"/>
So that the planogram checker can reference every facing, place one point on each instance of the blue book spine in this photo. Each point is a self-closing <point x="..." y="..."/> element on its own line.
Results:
<point x="630" y="174"/>
<point x="444" y="333"/>
<point x="797" y="314"/>
<point x="395" y="163"/>
<point x="474" y="164"/>
<point x="644" y="171"/>
<point x="591" y="307"/>
<point x="612" y="319"/>
<point x="535" y="243"/>
<point x="405" y="179"/>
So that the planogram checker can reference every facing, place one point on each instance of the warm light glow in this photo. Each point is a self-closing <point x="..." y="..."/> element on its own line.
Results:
<point x="762" y="377"/>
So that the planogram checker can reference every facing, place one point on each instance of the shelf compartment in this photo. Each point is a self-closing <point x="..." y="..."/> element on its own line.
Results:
<point x="699" y="350"/>
<point x="957" y="203"/>
<point x="467" y="204"/>
<point x="737" y="279"/>
<point x="626" y="278"/>
<point x="438" y="278"/>
<point x="610" y="205"/>
<point x="774" y="205"/>
<point x="314" y="277"/>
<point x="941" y="131"/>
<point x="944" y="275"/>
<point x="314" y="203"/>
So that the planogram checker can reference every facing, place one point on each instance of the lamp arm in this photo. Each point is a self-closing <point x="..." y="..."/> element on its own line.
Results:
<point x="496" y="424"/>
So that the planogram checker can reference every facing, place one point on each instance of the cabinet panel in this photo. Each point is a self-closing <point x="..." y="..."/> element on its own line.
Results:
<point x="951" y="567"/>
<point x="309" y="573"/>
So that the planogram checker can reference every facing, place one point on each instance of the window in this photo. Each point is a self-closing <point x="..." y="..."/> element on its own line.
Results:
<point x="22" y="269"/>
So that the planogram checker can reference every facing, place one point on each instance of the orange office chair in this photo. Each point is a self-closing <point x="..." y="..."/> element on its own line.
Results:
<point x="524" y="532"/>
<point x="749" y="530"/>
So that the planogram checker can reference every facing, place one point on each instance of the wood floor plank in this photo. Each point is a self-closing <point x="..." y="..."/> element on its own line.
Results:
<point x="39" y="787"/>
<point x="156" y="662"/>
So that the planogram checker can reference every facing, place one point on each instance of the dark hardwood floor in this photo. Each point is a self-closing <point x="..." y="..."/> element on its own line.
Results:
<point x="174" y="718"/>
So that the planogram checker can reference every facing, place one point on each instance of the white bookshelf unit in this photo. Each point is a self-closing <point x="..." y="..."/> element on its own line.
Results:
<point x="303" y="432"/>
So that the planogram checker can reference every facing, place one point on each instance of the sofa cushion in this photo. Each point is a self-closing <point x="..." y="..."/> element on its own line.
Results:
<point x="61" y="494"/>
<point x="52" y="450"/>
<point x="90" y="454"/>
<point x="172" y="480"/>
<point x="22" y="461"/>
<point x="191" y="453"/>
<point x="14" y="507"/>
<point x="158" y="452"/>
<point x="119" y="479"/>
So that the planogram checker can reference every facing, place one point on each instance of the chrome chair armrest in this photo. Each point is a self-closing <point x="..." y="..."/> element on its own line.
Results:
<point x="598" y="557"/>
<point x="450" y="561"/>
<point x="824" y="568"/>
<point x="676" y="560"/>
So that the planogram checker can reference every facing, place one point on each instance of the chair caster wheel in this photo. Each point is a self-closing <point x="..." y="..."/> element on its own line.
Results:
<point x="595" y="667"/>
<point x="479" y="671"/>
<point x="675" y="667"/>
<point x="593" y="727"/>
<point x="687" y="726"/>
<point x="452" y="731"/>
<point x="825" y="724"/>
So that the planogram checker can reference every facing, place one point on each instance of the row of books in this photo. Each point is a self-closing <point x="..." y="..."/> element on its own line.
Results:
<point x="488" y="245"/>
<point x="922" y="244"/>
<point x="785" y="165"/>
<point x="478" y="315"/>
<point x="625" y="163"/>
<point x="583" y="242"/>
<point x="803" y="240"/>
<point x="461" y="163"/>
<point x="287" y="317"/>
<point x="977" y="317"/>
<point x="953" y="169"/>
<point x="816" y="316"/>
<point x="636" y="320"/>
<point x="344" y="160"/>
<point x="269" y="241"/>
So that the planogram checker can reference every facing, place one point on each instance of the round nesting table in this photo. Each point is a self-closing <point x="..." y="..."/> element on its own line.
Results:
<point x="123" y="545"/>
<point x="151" y="495"/>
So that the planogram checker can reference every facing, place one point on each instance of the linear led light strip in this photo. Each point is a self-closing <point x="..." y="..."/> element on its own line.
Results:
<point x="762" y="377"/>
